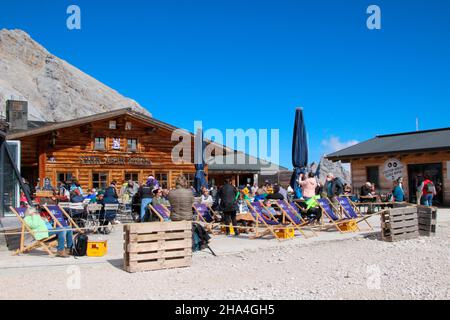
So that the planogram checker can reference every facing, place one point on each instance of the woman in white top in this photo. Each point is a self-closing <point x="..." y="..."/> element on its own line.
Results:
<point x="206" y="198"/>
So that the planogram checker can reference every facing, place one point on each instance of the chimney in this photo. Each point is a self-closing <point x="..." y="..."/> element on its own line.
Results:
<point x="17" y="115"/>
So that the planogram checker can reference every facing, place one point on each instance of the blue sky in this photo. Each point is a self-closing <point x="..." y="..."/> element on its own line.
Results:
<point x="250" y="63"/>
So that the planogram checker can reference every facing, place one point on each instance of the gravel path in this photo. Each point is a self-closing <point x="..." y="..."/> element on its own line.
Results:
<point x="357" y="268"/>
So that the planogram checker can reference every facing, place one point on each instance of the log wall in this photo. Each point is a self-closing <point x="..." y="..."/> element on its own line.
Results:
<point x="359" y="170"/>
<point x="71" y="150"/>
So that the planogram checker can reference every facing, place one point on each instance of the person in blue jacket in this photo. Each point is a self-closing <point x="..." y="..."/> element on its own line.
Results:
<point x="398" y="193"/>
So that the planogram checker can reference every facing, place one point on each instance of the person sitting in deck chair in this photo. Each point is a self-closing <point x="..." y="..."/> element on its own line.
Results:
<point x="310" y="209"/>
<point x="269" y="210"/>
<point x="43" y="229"/>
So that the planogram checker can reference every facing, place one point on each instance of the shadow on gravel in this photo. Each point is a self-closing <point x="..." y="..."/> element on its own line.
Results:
<point x="373" y="236"/>
<point x="116" y="263"/>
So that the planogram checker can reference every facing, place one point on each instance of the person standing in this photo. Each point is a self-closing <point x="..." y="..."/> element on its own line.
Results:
<point x="398" y="193"/>
<point x="227" y="195"/>
<point x="309" y="186"/>
<point x="145" y="193"/>
<point x="428" y="191"/>
<point x="334" y="187"/>
<point x="181" y="200"/>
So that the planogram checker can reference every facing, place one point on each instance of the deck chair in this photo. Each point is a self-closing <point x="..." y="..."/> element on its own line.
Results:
<point x="350" y="210"/>
<point x="331" y="213"/>
<point x="46" y="243"/>
<point x="293" y="216"/>
<point x="204" y="214"/>
<point x="256" y="211"/>
<point x="57" y="213"/>
<point x="161" y="211"/>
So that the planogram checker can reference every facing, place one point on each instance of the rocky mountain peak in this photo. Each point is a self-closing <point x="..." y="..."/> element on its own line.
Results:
<point x="54" y="89"/>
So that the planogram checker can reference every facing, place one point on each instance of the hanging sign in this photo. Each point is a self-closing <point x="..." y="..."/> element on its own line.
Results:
<point x="393" y="169"/>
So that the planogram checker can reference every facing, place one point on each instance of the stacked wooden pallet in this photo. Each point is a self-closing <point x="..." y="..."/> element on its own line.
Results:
<point x="427" y="217"/>
<point x="157" y="245"/>
<point x="399" y="224"/>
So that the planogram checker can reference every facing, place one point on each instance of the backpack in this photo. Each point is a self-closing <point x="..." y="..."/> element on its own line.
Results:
<point x="80" y="244"/>
<point x="429" y="187"/>
<point x="200" y="237"/>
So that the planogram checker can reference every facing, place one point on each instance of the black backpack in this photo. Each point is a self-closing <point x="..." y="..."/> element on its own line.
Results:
<point x="80" y="244"/>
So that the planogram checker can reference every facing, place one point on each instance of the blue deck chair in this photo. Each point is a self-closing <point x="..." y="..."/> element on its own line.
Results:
<point x="350" y="211"/>
<point x="63" y="219"/>
<point x="329" y="211"/>
<point x="161" y="211"/>
<point x="256" y="210"/>
<point x="203" y="213"/>
<point x="44" y="243"/>
<point x="293" y="216"/>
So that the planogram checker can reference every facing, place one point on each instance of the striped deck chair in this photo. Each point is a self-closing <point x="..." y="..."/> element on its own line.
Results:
<point x="293" y="216"/>
<point x="161" y="211"/>
<point x="64" y="220"/>
<point x="330" y="211"/>
<point x="351" y="212"/>
<point x="46" y="243"/>
<point x="256" y="209"/>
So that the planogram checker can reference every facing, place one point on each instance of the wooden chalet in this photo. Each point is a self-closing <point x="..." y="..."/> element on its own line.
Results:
<point x="118" y="145"/>
<point x="410" y="155"/>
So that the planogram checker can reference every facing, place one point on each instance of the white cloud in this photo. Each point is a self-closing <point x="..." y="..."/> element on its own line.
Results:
<point x="335" y="144"/>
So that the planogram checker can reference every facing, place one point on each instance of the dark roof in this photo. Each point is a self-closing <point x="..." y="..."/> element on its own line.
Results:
<point x="249" y="164"/>
<point x="37" y="128"/>
<point x="51" y="126"/>
<point x="428" y="140"/>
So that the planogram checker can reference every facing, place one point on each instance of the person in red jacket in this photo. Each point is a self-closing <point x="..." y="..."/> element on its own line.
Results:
<point x="428" y="191"/>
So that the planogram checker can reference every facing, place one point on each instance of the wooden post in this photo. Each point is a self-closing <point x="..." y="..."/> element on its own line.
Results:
<point x="42" y="160"/>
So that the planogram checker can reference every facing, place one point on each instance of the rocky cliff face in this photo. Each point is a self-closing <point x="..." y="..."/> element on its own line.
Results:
<point x="54" y="89"/>
<point x="326" y="166"/>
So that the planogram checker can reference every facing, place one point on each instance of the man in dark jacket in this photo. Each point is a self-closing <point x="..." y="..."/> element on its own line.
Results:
<point x="145" y="194"/>
<point x="334" y="187"/>
<point x="227" y="195"/>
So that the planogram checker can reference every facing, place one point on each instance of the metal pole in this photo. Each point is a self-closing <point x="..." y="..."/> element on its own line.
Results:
<point x="2" y="178"/>
<point x="19" y="177"/>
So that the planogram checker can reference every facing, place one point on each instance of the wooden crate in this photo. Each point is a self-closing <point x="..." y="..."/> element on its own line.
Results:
<point x="427" y="218"/>
<point x="399" y="224"/>
<point x="157" y="245"/>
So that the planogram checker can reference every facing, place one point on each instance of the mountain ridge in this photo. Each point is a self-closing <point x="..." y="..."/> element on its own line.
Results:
<point x="55" y="89"/>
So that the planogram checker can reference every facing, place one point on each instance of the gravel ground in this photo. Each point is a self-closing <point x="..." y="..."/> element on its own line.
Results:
<point x="356" y="268"/>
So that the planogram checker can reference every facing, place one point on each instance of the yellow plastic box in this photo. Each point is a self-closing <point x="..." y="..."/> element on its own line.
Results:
<point x="97" y="248"/>
<point x="349" y="226"/>
<point x="287" y="233"/>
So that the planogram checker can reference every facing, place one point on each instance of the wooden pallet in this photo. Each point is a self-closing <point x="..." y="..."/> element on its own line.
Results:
<point x="399" y="224"/>
<point x="427" y="217"/>
<point x="157" y="245"/>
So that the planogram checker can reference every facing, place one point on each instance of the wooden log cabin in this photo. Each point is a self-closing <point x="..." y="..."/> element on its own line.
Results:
<point x="119" y="145"/>
<point x="416" y="154"/>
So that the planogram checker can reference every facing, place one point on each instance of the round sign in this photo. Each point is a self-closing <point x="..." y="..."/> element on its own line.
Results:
<point x="393" y="169"/>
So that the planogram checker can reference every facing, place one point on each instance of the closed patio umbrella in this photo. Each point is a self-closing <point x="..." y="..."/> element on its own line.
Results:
<point x="200" y="176"/>
<point x="299" y="148"/>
